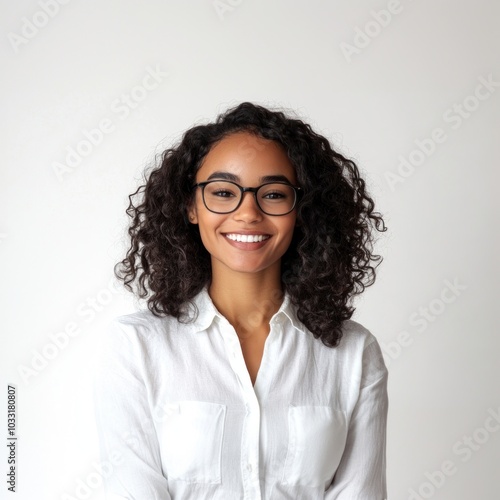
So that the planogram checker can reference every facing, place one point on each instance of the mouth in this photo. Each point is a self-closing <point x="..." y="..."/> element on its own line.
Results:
<point x="247" y="238"/>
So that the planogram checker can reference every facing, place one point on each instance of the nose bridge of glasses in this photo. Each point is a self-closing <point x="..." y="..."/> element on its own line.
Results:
<point x="252" y="193"/>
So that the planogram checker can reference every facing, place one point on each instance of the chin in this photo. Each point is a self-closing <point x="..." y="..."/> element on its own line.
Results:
<point x="243" y="265"/>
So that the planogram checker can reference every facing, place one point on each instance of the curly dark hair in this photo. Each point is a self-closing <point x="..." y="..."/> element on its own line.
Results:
<point x="330" y="258"/>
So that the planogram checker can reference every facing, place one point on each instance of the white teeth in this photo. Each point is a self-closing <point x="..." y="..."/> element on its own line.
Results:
<point x="247" y="238"/>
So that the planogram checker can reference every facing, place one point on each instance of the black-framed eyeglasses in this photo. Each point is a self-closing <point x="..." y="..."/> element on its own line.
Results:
<point x="272" y="198"/>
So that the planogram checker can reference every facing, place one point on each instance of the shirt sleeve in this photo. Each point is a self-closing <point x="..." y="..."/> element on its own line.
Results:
<point x="362" y="470"/>
<point x="128" y="443"/>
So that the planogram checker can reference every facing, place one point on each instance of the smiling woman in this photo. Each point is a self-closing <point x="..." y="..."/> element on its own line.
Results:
<point x="245" y="377"/>
<point x="227" y="217"/>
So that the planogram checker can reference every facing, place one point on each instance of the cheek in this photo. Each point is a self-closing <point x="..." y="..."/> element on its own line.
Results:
<point x="286" y="230"/>
<point x="207" y="225"/>
<point x="204" y="232"/>
<point x="287" y="227"/>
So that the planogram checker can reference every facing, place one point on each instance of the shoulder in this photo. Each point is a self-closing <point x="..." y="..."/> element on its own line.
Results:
<point x="355" y="335"/>
<point x="142" y="322"/>
<point x="136" y="334"/>
<point x="359" y="347"/>
<point x="132" y="343"/>
<point x="143" y="325"/>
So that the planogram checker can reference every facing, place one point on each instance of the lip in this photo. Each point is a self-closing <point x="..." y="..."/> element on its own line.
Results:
<point x="243" y="231"/>
<point x="246" y="245"/>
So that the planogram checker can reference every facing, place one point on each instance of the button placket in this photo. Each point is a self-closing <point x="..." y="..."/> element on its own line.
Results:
<point x="250" y="439"/>
<point x="236" y="359"/>
<point x="250" y="450"/>
<point x="250" y="443"/>
<point x="233" y="347"/>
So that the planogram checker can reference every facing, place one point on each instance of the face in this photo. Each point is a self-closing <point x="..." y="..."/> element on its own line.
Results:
<point x="246" y="159"/>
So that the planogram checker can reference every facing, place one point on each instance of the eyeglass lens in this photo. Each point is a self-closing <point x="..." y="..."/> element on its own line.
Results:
<point x="274" y="199"/>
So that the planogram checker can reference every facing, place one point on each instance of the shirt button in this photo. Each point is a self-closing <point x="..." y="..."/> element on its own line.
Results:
<point x="249" y="467"/>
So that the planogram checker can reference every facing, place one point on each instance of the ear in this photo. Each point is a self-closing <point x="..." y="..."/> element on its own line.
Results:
<point x="192" y="215"/>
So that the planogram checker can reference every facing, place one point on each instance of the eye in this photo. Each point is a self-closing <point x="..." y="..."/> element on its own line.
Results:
<point x="221" y="190"/>
<point x="274" y="195"/>
<point x="222" y="193"/>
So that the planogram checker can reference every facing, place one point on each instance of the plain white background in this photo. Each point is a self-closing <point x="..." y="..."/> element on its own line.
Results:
<point x="387" y="82"/>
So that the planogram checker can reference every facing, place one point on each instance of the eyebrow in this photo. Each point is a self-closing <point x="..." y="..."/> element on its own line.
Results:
<point x="232" y="177"/>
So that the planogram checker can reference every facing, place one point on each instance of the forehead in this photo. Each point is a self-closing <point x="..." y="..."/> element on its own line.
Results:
<point x="248" y="157"/>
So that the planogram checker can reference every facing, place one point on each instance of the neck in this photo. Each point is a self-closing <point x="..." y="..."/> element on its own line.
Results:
<point x="247" y="300"/>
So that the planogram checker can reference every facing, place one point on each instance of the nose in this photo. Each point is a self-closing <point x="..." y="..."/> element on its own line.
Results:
<point x="248" y="210"/>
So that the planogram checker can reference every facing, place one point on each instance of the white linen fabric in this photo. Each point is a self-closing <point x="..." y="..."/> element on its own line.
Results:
<point x="178" y="417"/>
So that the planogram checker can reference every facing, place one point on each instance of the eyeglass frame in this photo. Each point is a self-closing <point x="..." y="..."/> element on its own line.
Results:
<point x="243" y="190"/>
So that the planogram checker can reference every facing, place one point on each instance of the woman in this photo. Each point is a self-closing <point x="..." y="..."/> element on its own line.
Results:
<point x="245" y="378"/>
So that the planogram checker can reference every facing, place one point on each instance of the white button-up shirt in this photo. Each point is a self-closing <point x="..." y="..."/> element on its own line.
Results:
<point x="178" y="417"/>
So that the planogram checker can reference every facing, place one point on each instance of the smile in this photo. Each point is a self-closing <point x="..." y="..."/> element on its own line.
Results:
<point x="247" y="238"/>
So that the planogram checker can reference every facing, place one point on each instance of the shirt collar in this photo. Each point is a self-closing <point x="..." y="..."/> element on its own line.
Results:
<point x="207" y="312"/>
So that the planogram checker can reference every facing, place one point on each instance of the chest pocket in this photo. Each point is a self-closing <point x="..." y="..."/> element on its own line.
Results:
<point x="316" y="441"/>
<point x="190" y="436"/>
